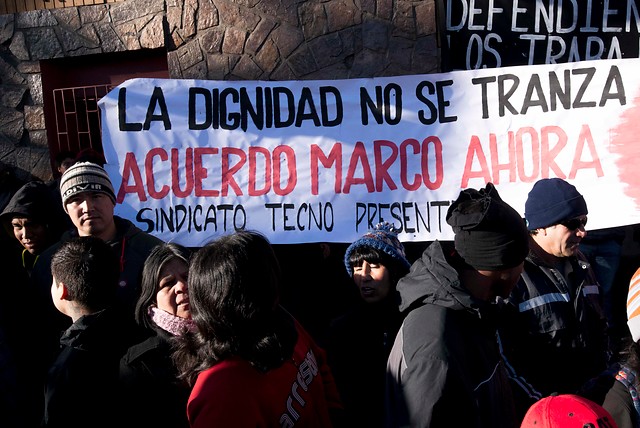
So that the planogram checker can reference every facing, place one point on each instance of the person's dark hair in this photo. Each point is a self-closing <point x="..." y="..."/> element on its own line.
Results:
<point x="89" y="269"/>
<point x="630" y="355"/>
<point x="234" y="291"/>
<point x="372" y="255"/>
<point x="66" y="157"/>
<point x="153" y="265"/>
<point x="91" y="155"/>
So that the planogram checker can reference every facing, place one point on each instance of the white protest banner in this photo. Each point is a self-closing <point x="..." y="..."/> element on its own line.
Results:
<point x="323" y="161"/>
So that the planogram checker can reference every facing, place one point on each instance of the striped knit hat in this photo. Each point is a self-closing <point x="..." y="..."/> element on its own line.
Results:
<point x="633" y="306"/>
<point x="383" y="237"/>
<point x="85" y="177"/>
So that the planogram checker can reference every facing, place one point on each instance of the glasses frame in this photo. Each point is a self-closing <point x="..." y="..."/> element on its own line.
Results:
<point x="575" y="223"/>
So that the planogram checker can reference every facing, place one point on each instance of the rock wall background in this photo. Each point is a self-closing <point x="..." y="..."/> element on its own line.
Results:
<point x="207" y="39"/>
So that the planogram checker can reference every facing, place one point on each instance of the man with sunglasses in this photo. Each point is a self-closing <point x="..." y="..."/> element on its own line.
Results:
<point x="555" y="338"/>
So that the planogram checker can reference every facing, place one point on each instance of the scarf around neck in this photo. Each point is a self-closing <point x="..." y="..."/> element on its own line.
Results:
<point x="628" y="378"/>
<point x="170" y="323"/>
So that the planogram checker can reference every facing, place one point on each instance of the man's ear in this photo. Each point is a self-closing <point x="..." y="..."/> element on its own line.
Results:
<point x="63" y="292"/>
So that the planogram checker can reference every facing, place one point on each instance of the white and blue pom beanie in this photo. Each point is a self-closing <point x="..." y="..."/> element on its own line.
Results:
<point x="383" y="237"/>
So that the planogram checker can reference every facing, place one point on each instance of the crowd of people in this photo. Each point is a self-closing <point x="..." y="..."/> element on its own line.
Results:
<point x="508" y="325"/>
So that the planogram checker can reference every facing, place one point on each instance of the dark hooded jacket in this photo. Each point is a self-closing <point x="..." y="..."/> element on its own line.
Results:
<point x="358" y="348"/>
<point x="151" y="393"/>
<point x="37" y="201"/>
<point x="82" y="384"/>
<point x="445" y="368"/>
<point x="23" y="335"/>
<point x="132" y="247"/>
<point x="556" y="335"/>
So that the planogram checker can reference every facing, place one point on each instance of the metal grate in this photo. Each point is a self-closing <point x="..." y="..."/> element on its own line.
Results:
<point x="78" y="117"/>
<point x="17" y="6"/>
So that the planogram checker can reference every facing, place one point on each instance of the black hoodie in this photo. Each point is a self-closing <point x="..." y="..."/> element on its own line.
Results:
<point x="35" y="200"/>
<point x="445" y="367"/>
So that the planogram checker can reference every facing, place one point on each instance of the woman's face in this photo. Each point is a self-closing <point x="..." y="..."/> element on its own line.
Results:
<point x="172" y="295"/>
<point x="373" y="281"/>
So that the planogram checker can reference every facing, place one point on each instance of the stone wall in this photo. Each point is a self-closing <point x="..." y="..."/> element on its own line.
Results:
<point x="207" y="39"/>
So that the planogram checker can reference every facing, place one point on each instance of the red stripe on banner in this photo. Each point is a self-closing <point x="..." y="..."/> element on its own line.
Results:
<point x="625" y="142"/>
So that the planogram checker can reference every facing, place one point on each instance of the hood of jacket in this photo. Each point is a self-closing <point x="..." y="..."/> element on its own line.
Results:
<point x="33" y="200"/>
<point x="433" y="280"/>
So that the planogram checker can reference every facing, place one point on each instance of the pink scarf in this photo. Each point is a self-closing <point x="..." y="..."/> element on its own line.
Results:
<point x="171" y="323"/>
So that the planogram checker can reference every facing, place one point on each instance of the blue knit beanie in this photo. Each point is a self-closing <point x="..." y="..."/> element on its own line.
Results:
<point x="383" y="237"/>
<point x="551" y="201"/>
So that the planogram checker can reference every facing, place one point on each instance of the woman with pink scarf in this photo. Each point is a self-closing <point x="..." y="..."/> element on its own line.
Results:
<point x="153" y="394"/>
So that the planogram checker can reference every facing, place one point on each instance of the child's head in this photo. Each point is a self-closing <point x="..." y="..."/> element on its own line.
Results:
<point x="85" y="272"/>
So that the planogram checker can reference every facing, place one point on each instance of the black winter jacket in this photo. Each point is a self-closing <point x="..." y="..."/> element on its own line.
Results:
<point x="358" y="348"/>
<point x="555" y="336"/>
<point x="152" y="394"/>
<point x="445" y="367"/>
<point x="82" y="384"/>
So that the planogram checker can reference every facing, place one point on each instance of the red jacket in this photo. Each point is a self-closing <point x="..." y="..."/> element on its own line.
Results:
<point x="301" y="392"/>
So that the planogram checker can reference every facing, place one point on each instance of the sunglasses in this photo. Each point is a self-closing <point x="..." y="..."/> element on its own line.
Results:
<point x="574" y="223"/>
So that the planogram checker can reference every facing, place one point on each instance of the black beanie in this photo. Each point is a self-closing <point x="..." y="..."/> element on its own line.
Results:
<point x="489" y="233"/>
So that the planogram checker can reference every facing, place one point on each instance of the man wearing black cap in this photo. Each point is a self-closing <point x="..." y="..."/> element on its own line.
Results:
<point x="556" y="336"/>
<point x="445" y="367"/>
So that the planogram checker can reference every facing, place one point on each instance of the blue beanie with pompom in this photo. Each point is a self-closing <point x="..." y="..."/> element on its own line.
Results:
<point x="383" y="237"/>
